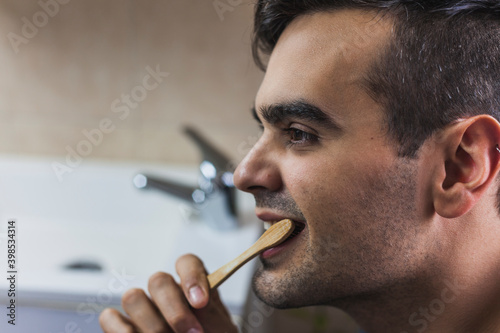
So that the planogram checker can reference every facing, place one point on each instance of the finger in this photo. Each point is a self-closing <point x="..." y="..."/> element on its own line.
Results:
<point x="215" y="314"/>
<point x="208" y="307"/>
<point x="170" y="300"/>
<point x="194" y="281"/>
<point x="112" y="321"/>
<point x="143" y="312"/>
<point x="193" y="273"/>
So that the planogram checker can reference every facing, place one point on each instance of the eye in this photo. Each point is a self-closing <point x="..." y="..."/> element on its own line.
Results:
<point x="299" y="137"/>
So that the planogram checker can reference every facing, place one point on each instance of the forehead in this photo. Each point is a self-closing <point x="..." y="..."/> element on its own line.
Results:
<point x="324" y="53"/>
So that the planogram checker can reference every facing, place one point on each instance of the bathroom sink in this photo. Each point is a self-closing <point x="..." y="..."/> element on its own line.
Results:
<point x="81" y="242"/>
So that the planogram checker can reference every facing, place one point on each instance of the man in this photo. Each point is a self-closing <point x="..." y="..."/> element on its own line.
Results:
<point x="380" y="135"/>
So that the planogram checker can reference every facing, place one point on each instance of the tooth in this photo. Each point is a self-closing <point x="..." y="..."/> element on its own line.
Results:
<point x="267" y="225"/>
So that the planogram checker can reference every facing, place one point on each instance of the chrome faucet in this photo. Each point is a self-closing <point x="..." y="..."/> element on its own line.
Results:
<point x="215" y="196"/>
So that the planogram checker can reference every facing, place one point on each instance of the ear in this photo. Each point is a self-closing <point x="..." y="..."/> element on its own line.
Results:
<point x="470" y="162"/>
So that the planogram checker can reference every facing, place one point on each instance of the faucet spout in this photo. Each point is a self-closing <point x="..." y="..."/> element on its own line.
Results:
<point x="180" y="191"/>
<point x="215" y="198"/>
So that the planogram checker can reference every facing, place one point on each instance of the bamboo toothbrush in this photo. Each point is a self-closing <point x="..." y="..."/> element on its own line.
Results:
<point x="273" y="236"/>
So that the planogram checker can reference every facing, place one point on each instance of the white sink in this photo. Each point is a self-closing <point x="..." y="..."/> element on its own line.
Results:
<point x="96" y="215"/>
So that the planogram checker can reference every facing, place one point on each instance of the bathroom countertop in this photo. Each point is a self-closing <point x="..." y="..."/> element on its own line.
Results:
<point x="116" y="234"/>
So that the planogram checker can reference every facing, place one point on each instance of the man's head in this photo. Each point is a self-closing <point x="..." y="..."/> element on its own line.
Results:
<point x="447" y="51"/>
<point x="356" y="107"/>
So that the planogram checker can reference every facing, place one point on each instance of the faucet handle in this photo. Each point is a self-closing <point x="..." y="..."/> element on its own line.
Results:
<point x="210" y="153"/>
<point x="216" y="169"/>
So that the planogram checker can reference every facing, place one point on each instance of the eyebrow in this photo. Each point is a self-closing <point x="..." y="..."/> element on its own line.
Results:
<point x="301" y="110"/>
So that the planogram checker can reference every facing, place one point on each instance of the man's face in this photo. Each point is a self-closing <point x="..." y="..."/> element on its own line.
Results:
<point x="325" y="159"/>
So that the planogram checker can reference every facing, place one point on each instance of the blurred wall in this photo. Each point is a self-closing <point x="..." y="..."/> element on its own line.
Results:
<point x="70" y="67"/>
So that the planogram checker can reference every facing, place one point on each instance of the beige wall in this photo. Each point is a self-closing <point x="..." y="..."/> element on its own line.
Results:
<point x="63" y="78"/>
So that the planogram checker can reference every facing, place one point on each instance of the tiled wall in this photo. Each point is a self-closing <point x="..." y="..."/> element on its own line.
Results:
<point x="68" y="64"/>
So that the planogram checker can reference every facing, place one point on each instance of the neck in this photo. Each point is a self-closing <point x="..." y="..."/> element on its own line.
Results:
<point x="453" y="307"/>
<point x="458" y="293"/>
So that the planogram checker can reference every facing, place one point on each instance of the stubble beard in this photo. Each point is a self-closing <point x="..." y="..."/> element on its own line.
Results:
<point x="364" y="265"/>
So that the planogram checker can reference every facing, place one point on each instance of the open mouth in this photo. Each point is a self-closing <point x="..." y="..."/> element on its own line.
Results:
<point x="299" y="226"/>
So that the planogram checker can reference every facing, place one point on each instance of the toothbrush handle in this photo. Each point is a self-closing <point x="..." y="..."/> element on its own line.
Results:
<point x="220" y="275"/>
<point x="276" y="234"/>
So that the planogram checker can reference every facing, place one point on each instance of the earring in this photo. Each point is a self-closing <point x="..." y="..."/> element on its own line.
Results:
<point x="498" y="149"/>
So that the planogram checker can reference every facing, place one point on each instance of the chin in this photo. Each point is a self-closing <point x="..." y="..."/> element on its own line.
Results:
<point x="279" y="293"/>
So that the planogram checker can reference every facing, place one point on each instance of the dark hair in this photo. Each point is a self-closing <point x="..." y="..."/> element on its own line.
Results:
<point x="442" y="64"/>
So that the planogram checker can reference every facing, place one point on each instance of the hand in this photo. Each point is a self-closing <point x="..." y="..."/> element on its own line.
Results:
<point x="179" y="308"/>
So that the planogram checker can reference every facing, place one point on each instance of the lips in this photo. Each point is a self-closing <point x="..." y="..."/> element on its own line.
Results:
<point x="271" y="218"/>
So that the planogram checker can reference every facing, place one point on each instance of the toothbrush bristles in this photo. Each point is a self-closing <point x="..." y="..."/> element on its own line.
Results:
<point x="297" y="229"/>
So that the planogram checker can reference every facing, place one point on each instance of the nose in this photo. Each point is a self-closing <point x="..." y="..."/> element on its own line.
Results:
<point x="259" y="170"/>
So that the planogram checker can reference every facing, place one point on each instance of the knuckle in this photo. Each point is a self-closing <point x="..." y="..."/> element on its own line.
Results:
<point x="159" y="329"/>
<point x="132" y="296"/>
<point x="159" y="280"/>
<point x="127" y="329"/>
<point x="189" y="263"/>
<point x="178" y="321"/>
<point x="185" y="257"/>
<point x="106" y="315"/>
<point x="107" y="320"/>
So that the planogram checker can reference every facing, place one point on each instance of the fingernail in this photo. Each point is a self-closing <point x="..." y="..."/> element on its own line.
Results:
<point x="196" y="295"/>
<point x="194" y="330"/>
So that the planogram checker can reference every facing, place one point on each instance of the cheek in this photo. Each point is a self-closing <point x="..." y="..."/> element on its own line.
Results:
<point x="325" y="189"/>
<point x="315" y="186"/>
